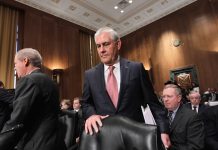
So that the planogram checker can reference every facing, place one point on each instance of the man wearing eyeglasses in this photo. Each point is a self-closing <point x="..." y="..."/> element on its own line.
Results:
<point x="118" y="86"/>
<point x="186" y="128"/>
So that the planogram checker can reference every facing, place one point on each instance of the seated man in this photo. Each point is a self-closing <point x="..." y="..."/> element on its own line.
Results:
<point x="195" y="102"/>
<point x="68" y="121"/>
<point x="80" y="124"/>
<point x="210" y="95"/>
<point x="66" y="104"/>
<point x="186" y="128"/>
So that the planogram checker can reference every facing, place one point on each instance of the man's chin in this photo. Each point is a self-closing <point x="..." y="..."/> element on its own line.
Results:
<point x="105" y="61"/>
<point x="19" y="76"/>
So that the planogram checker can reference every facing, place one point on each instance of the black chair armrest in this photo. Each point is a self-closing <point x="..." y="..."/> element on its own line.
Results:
<point x="10" y="137"/>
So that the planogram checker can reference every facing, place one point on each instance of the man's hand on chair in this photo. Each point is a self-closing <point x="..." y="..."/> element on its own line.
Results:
<point x="93" y="122"/>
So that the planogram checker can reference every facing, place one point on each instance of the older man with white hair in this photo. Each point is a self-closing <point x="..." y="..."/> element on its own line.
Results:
<point x="36" y="105"/>
<point x="195" y="102"/>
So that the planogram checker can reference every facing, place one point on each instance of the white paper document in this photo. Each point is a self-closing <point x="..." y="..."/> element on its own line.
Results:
<point x="148" y="116"/>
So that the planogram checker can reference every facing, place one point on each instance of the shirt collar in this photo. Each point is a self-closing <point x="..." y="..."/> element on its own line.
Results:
<point x="33" y="70"/>
<point x="195" y="106"/>
<point x="175" y="110"/>
<point x="116" y="65"/>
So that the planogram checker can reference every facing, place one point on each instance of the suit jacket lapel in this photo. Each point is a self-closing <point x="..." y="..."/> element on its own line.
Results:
<point x="100" y="76"/>
<point x="177" y="118"/>
<point x="190" y="105"/>
<point x="101" y="84"/>
<point x="124" y="77"/>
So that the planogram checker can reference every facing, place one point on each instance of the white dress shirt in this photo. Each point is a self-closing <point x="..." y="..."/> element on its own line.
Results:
<point x="116" y="72"/>
<point x="197" y="106"/>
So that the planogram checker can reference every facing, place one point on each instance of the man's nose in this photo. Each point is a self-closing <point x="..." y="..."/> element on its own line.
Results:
<point x="101" y="48"/>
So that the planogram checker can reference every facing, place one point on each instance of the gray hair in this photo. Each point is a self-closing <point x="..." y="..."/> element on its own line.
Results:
<point x="113" y="33"/>
<point x="32" y="55"/>
<point x="176" y="87"/>
<point x="194" y="92"/>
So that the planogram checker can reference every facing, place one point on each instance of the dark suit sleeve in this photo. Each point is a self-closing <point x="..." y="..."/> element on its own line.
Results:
<point x="87" y="101"/>
<point x="25" y="94"/>
<point x="210" y="117"/>
<point x="6" y="96"/>
<point x="152" y="100"/>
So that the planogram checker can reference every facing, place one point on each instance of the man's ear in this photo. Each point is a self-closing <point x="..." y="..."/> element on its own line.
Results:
<point x="119" y="44"/>
<point x="26" y="61"/>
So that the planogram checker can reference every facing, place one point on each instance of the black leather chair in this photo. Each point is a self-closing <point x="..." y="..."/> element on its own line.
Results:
<point x="68" y="125"/>
<point x="121" y="133"/>
<point x="10" y="138"/>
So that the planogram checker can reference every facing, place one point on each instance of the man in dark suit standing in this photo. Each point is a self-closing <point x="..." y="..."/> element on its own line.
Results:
<point x="186" y="128"/>
<point x="118" y="87"/>
<point x="36" y="105"/>
<point x="6" y="100"/>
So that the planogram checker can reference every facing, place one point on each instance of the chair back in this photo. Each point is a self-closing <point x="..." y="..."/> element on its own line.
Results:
<point x="121" y="133"/>
<point x="68" y="124"/>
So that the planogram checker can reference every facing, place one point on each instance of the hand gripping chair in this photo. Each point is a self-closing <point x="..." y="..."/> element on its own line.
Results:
<point x="121" y="133"/>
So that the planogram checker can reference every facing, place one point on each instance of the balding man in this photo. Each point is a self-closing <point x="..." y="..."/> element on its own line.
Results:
<point x="36" y="105"/>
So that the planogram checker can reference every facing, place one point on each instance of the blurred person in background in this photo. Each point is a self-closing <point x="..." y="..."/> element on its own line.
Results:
<point x="6" y="100"/>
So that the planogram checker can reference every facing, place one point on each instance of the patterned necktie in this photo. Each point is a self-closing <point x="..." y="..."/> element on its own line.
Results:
<point x="112" y="87"/>
<point x="170" y="116"/>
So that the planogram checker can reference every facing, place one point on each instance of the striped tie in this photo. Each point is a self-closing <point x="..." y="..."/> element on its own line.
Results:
<point x="170" y="116"/>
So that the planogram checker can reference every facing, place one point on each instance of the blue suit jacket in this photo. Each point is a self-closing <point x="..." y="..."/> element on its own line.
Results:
<point x="135" y="90"/>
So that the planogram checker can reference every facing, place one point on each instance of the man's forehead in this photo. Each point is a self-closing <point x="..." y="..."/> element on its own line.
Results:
<point x="169" y="90"/>
<point x="103" y="37"/>
<point x="194" y="95"/>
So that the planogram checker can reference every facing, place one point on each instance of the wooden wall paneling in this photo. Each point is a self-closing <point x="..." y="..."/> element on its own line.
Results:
<point x="196" y="26"/>
<point x="203" y="33"/>
<point x="214" y="43"/>
<point x="49" y="41"/>
<point x="32" y="31"/>
<point x="72" y="73"/>
<point x="58" y="42"/>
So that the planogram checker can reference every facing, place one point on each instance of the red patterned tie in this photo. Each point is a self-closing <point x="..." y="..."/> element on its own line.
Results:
<point x="112" y="87"/>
